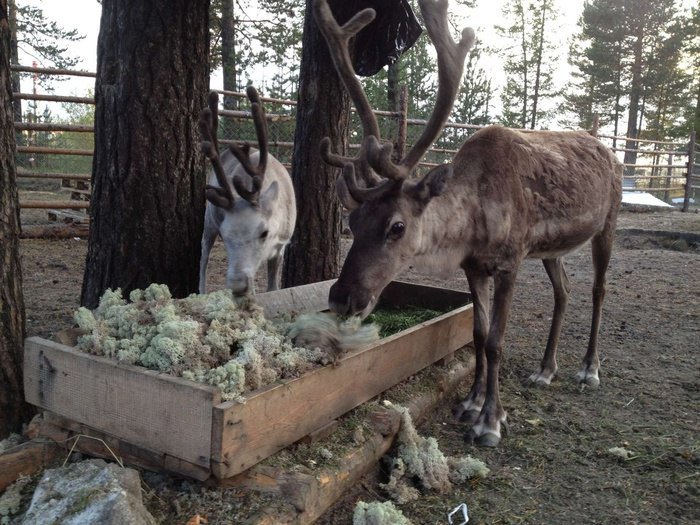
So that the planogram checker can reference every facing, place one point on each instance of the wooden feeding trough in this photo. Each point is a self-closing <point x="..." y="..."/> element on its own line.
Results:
<point x="163" y="422"/>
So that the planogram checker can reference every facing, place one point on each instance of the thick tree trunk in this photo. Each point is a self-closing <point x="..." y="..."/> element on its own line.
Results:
<point x="635" y="96"/>
<point x="13" y="410"/>
<point x="538" y="70"/>
<point x="322" y="110"/>
<point x="148" y="178"/>
<point x="228" y="52"/>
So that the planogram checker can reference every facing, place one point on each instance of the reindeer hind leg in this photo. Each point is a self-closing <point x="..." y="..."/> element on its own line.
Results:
<point x="560" y="283"/>
<point x="601" y="248"/>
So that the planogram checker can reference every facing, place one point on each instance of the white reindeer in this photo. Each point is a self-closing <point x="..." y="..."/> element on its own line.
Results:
<point x="506" y="196"/>
<point x="251" y="203"/>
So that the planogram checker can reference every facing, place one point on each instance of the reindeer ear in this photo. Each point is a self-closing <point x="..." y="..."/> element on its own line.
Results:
<point x="269" y="197"/>
<point x="341" y="188"/>
<point x="432" y="184"/>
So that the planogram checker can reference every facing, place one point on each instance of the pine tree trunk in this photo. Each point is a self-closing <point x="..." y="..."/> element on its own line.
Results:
<point x="635" y="96"/>
<point x="322" y="110"/>
<point x="538" y="71"/>
<point x="228" y="52"/>
<point x="148" y="178"/>
<point x="13" y="410"/>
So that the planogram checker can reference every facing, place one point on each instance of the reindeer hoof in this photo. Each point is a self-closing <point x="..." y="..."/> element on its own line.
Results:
<point x="541" y="378"/>
<point x="488" y="439"/>
<point x="588" y="378"/>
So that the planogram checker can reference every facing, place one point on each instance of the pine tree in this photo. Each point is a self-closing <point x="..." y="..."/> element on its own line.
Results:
<point x="527" y="63"/>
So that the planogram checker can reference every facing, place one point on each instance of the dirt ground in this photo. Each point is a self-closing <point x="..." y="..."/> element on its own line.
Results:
<point x="554" y="465"/>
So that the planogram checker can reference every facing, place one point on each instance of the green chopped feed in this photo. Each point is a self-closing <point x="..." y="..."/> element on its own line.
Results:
<point x="393" y="320"/>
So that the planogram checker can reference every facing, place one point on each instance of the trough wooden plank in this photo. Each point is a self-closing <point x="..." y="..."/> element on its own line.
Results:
<point x="312" y="493"/>
<point x="152" y="410"/>
<point x="299" y="299"/>
<point x="274" y="417"/>
<point x="76" y="436"/>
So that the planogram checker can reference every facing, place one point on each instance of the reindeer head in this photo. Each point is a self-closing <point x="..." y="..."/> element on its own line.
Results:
<point x="386" y="207"/>
<point x="248" y="220"/>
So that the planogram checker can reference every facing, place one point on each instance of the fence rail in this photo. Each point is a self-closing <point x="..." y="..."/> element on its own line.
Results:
<point x="671" y="171"/>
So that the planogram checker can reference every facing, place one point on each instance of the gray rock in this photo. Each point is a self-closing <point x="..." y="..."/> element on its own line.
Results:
<point x="90" y="491"/>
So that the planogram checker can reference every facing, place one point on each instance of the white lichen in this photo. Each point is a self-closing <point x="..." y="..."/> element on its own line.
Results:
<point x="466" y="468"/>
<point x="207" y="338"/>
<point x="378" y="513"/>
<point x="420" y="458"/>
<point x="621" y="453"/>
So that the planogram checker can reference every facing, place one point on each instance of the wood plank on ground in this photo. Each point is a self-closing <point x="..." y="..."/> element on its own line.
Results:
<point x="312" y="494"/>
<point x="26" y="459"/>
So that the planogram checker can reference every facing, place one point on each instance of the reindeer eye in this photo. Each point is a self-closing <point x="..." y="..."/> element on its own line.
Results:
<point x="263" y="235"/>
<point x="397" y="230"/>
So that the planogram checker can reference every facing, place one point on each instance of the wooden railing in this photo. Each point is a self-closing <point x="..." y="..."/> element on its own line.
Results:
<point x="666" y="169"/>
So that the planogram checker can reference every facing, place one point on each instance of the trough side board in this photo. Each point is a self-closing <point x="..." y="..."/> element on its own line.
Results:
<point x="272" y="418"/>
<point x="152" y="410"/>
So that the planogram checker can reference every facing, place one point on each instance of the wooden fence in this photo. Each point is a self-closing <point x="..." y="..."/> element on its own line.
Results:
<point x="669" y="170"/>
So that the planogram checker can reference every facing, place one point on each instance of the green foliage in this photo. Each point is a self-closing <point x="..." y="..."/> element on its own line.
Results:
<point x="528" y="62"/>
<point x="630" y="55"/>
<point x="267" y="41"/>
<point x="45" y="40"/>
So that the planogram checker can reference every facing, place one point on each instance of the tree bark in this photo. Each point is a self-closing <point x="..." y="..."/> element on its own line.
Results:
<point x="13" y="410"/>
<point x="314" y="252"/>
<point x="228" y="52"/>
<point x="538" y="70"/>
<point x="635" y="96"/>
<point x="147" y="204"/>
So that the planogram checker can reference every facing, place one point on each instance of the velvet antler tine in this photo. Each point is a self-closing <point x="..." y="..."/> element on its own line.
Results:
<point x="451" y="58"/>
<point x="241" y="154"/>
<point x="208" y="119"/>
<point x="364" y="194"/>
<point x="260" y="122"/>
<point x="213" y="103"/>
<point x="224" y="196"/>
<point x="261" y="132"/>
<point x="329" y="157"/>
<point x="338" y="38"/>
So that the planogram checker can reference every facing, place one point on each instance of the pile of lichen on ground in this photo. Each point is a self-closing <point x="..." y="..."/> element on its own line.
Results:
<point x="206" y="338"/>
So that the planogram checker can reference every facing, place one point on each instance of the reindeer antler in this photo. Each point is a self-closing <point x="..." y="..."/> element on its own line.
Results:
<point x="338" y="39"/>
<point x="451" y="58"/>
<point x="248" y="188"/>
<point x="208" y="125"/>
<point x="242" y="153"/>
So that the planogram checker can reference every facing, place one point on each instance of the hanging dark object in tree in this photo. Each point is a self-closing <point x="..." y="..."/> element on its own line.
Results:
<point x="394" y="30"/>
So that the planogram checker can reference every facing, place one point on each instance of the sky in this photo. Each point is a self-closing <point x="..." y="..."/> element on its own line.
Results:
<point x="84" y="15"/>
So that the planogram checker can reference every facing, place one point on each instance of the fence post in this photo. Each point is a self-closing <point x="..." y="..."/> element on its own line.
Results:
<point x="402" y="125"/>
<point x="689" y="173"/>
<point x="667" y="193"/>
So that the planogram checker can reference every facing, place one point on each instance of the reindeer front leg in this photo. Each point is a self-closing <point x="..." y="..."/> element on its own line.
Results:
<point x="208" y="238"/>
<point x="469" y="409"/>
<point x="487" y="429"/>
<point x="274" y="271"/>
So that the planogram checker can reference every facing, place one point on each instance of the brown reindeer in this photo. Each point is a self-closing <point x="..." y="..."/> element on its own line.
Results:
<point x="506" y="196"/>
